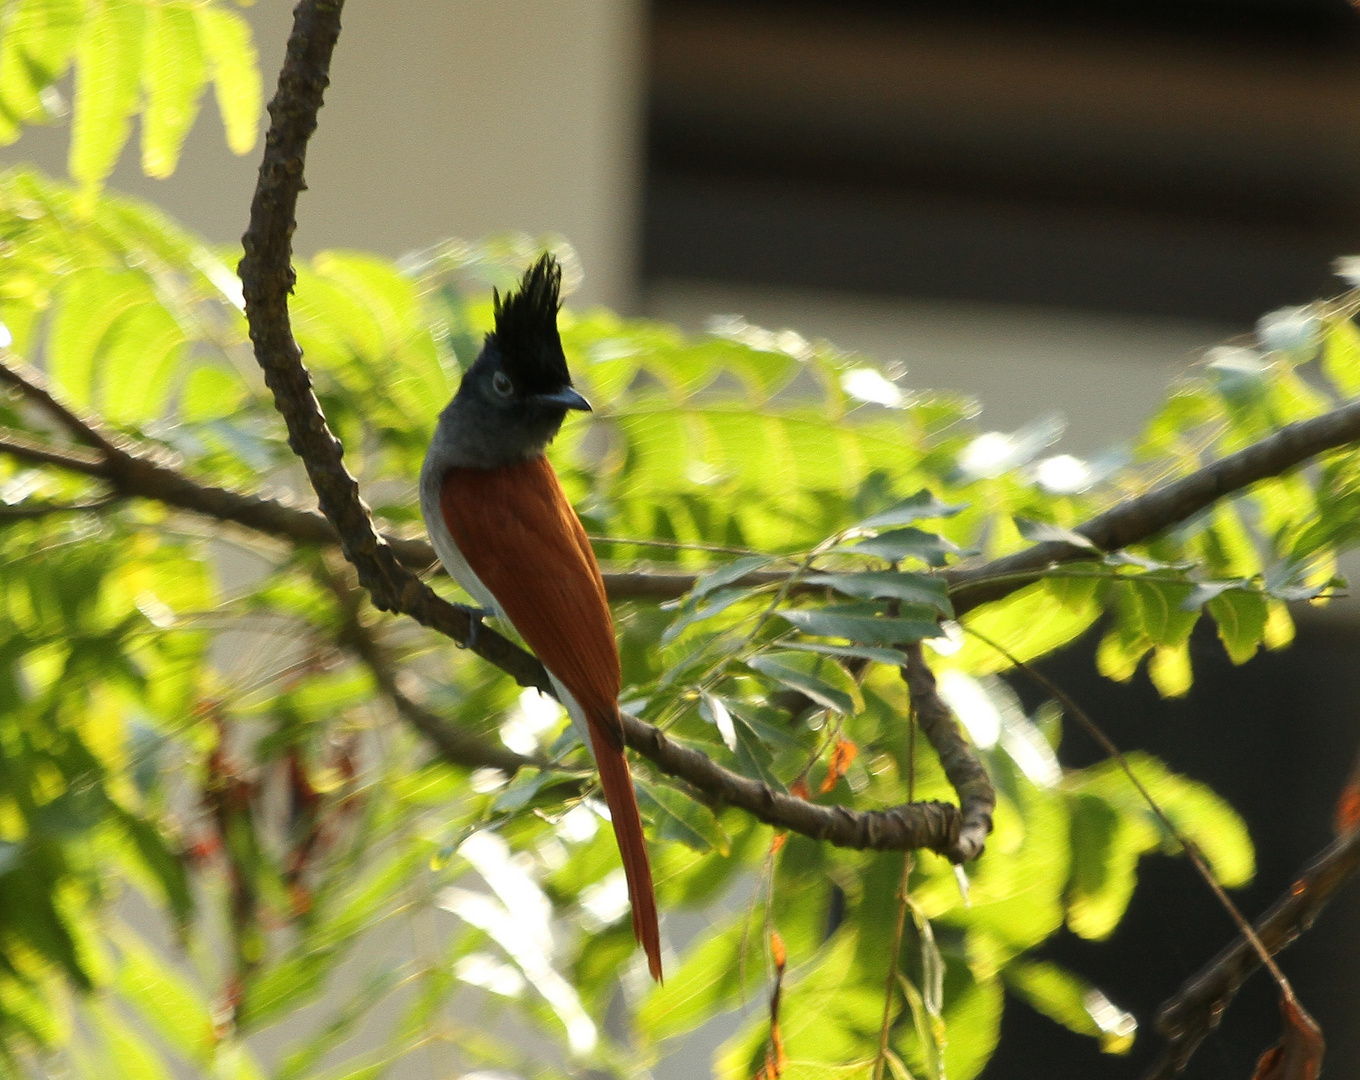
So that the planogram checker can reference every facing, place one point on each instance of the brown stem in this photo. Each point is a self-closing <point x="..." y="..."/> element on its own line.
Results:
<point x="452" y="743"/>
<point x="30" y="382"/>
<point x="933" y="825"/>
<point x="1261" y="953"/>
<point x="1141" y="518"/>
<point x="1196" y="1008"/>
<point x="961" y="765"/>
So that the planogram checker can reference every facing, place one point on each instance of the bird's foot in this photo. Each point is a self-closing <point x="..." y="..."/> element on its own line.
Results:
<point x="475" y="616"/>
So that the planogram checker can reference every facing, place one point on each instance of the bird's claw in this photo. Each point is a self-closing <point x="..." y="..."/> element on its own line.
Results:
<point x="475" y="616"/>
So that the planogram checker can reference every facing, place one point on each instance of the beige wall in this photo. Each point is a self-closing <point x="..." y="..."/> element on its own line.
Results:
<point x="444" y="118"/>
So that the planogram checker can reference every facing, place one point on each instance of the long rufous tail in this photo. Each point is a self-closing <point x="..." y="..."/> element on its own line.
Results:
<point x="623" y="810"/>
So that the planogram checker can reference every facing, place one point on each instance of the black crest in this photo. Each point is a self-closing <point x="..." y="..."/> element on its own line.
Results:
<point x="526" y="330"/>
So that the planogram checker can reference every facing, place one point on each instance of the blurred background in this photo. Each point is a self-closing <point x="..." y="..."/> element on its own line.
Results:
<point x="1055" y="206"/>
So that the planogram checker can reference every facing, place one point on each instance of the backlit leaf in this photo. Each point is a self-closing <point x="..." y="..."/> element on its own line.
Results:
<point x="851" y="624"/>
<point x="920" y="507"/>
<point x="108" y="77"/>
<point x="819" y="677"/>
<point x="677" y="816"/>
<point x="232" y="60"/>
<point x="918" y="590"/>
<point x="173" y="75"/>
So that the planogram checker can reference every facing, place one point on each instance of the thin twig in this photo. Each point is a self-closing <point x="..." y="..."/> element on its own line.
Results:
<point x="453" y="743"/>
<point x="671" y="545"/>
<point x="890" y="989"/>
<point x="1262" y="954"/>
<point x="1196" y="1008"/>
<point x="18" y="444"/>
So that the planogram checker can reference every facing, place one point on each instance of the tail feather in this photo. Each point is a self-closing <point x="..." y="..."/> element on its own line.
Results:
<point x="623" y="809"/>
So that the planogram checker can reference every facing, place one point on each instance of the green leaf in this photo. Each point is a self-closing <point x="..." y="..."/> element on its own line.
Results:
<point x="920" y="507"/>
<point x="304" y="1055"/>
<point x="1029" y="623"/>
<point x="1071" y="1001"/>
<point x="90" y="303"/>
<point x="1204" y="591"/>
<point x="291" y="984"/>
<point x="726" y="575"/>
<point x="1107" y="843"/>
<point x="165" y="865"/>
<point x="210" y="393"/>
<point x="130" y="1056"/>
<point x="850" y="623"/>
<point x="108" y="77"/>
<point x="827" y="1014"/>
<point x="174" y="1009"/>
<point x="677" y="816"/>
<point x="1121" y="649"/>
<point x="891" y="657"/>
<point x="820" y="1070"/>
<point x="754" y="758"/>
<point x="137" y="362"/>
<point x="37" y="38"/>
<point x="902" y="544"/>
<point x="1205" y="819"/>
<point x="819" y="677"/>
<point x="173" y="75"/>
<point x="1159" y="604"/>
<point x="721" y="965"/>
<point x="234" y="1061"/>
<point x="718" y="602"/>
<point x="919" y="590"/>
<point x="1170" y="671"/>
<point x="1241" y="618"/>
<point x="713" y="709"/>
<point x="907" y="544"/>
<point x="230" y="52"/>
<point x="1341" y="356"/>
<point x="522" y="789"/>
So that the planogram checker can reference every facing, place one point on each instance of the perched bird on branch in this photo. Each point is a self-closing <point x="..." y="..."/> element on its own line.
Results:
<point x="504" y="530"/>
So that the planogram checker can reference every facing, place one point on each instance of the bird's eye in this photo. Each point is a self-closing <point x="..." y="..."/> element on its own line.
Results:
<point x="500" y="382"/>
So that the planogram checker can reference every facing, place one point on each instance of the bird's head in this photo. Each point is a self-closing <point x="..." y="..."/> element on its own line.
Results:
<point x="513" y="400"/>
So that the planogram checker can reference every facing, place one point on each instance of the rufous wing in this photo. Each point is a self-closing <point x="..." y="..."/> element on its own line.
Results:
<point x="522" y="539"/>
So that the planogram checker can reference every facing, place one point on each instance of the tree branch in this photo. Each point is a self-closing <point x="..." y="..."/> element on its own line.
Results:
<point x="961" y="766"/>
<point x="266" y="278"/>
<point x="1195" y="1010"/>
<point x="144" y="474"/>
<point x="31" y="384"/>
<point x="933" y="825"/>
<point x="20" y="445"/>
<point x="453" y="743"/>
<point x="1142" y="518"/>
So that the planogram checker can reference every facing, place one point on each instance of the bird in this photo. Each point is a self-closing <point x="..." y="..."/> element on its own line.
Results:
<point x="504" y="530"/>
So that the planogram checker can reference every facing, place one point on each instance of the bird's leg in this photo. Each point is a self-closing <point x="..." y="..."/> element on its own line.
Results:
<point x="475" y="616"/>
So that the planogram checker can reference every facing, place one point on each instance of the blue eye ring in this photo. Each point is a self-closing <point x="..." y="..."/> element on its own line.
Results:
<point x="500" y="382"/>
